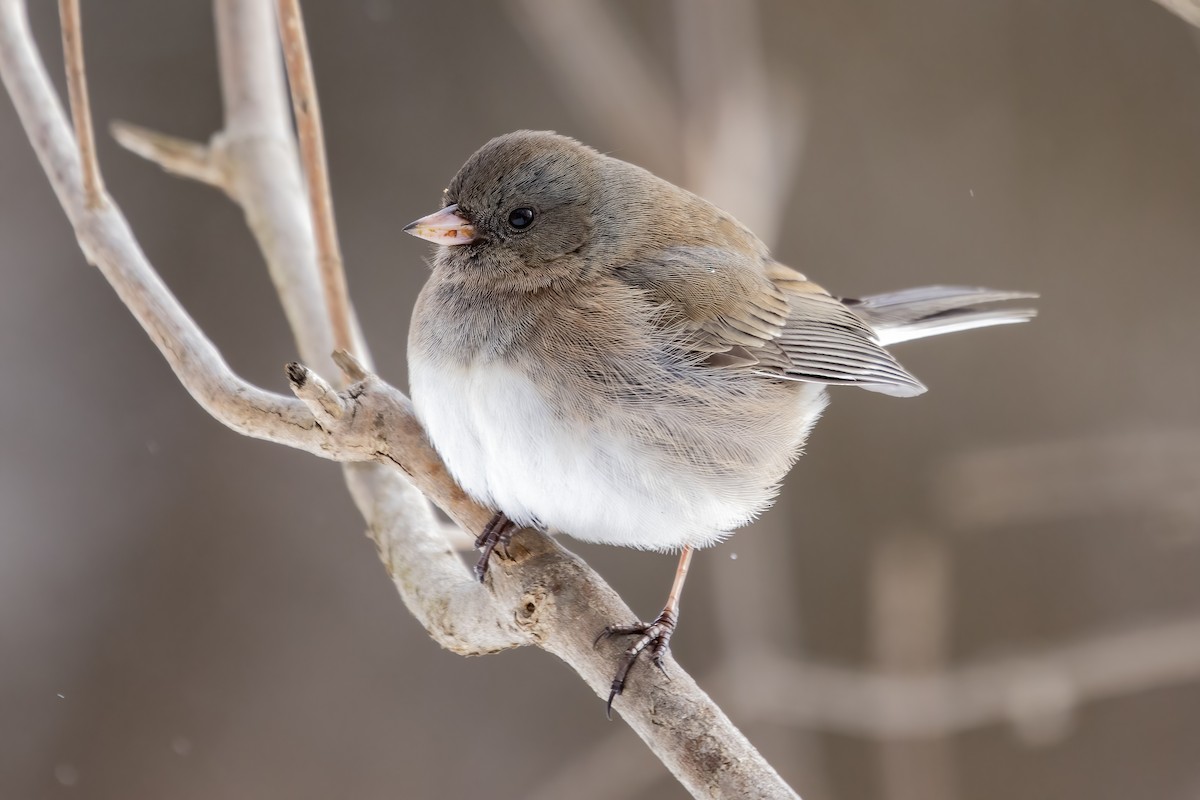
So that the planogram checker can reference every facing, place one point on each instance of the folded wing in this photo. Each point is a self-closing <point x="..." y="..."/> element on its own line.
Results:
<point x="742" y="313"/>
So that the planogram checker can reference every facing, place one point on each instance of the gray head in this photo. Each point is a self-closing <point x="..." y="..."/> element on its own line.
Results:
<point x="518" y="213"/>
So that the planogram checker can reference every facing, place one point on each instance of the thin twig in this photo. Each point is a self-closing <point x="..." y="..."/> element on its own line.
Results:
<point x="81" y="113"/>
<point x="181" y="157"/>
<point x="312" y="152"/>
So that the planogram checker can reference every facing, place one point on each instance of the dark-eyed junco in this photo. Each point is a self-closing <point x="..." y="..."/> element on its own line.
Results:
<point x="601" y="353"/>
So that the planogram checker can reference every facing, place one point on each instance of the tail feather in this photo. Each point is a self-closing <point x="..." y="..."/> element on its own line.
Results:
<point x="934" y="310"/>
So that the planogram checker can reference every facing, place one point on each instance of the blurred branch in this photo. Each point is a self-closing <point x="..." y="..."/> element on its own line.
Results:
<point x="734" y="136"/>
<point x="1188" y="10"/>
<point x="1152" y="472"/>
<point x="909" y="628"/>
<point x="1036" y="693"/>
<point x="604" y="75"/>
<point x="742" y="132"/>
<point x="543" y="594"/>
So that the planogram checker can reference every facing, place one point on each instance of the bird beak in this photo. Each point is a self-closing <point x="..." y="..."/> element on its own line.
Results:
<point x="446" y="227"/>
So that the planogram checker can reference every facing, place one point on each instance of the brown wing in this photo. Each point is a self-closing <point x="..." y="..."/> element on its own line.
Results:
<point x="740" y="313"/>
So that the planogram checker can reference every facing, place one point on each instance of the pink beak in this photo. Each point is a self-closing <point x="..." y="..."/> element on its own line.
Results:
<point x="446" y="227"/>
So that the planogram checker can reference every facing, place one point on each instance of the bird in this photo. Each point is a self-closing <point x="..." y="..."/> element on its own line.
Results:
<point x="601" y="353"/>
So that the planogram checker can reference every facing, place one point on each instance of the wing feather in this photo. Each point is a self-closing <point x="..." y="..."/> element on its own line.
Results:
<point x="743" y="313"/>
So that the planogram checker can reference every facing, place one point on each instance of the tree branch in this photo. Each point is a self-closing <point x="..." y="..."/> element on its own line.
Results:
<point x="258" y="157"/>
<point x="81" y="113"/>
<point x="108" y="243"/>
<point x="312" y="152"/>
<point x="180" y="157"/>
<point x="542" y="594"/>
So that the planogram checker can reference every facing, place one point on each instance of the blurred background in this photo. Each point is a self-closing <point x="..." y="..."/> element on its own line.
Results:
<point x="990" y="591"/>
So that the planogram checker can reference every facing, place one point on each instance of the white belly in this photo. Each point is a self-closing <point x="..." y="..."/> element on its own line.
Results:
<point x="508" y="447"/>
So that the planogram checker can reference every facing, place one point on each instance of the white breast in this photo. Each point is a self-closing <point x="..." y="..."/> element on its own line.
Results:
<point x="508" y="447"/>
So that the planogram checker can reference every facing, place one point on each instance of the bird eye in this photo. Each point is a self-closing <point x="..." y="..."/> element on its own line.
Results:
<point x="520" y="217"/>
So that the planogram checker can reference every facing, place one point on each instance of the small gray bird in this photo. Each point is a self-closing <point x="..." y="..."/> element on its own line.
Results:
<point x="601" y="353"/>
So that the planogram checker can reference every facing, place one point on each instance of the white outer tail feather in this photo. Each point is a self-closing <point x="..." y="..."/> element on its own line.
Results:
<point x="933" y="310"/>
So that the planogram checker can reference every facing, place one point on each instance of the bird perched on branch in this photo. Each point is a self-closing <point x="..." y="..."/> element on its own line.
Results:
<point x="601" y="353"/>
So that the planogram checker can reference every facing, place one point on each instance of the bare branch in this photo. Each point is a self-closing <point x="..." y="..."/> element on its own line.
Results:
<point x="258" y="157"/>
<point x="253" y="159"/>
<point x="263" y="172"/>
<point x="312" y="151"/>
<point x="72" y="36"/>
<point x="107" y="241"/>
<point x="320" y="397"/>
<point x="181" y="157"/>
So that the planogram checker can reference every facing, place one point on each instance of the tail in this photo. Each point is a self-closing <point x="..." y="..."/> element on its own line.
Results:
<point x="934" y="310"/>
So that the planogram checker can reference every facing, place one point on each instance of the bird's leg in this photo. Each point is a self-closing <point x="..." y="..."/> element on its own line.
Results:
<point x="655" y="635"/>
<point x="498" y="531"/>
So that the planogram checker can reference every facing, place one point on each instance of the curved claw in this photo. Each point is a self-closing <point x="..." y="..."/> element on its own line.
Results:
<point x="498" y="532"/>
<point x="656" y="636"/>
<point x="658" y="662"/>
<point x="622" y="630"/>
<point x="481" y="566"/>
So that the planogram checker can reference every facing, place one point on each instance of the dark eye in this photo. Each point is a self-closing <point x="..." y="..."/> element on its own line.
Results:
<point x="520" y="217"/>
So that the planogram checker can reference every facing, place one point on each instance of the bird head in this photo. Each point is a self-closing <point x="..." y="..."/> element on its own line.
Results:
<point x="519" y="213"/>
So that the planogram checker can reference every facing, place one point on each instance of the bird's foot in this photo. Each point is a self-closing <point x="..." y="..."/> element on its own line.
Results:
<point x="497" y="533"/>
<point x="654" y="636"/>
